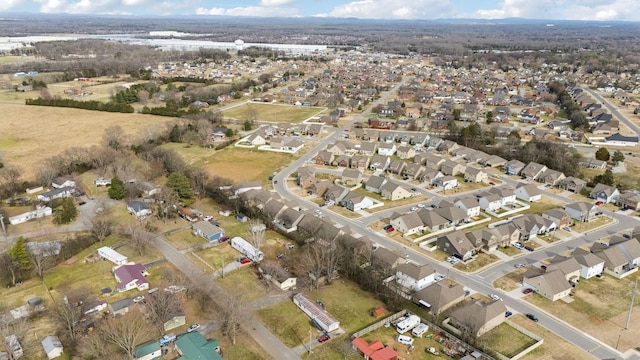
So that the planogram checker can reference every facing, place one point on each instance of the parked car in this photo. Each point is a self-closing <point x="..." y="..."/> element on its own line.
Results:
<point x="193" y="328"/>
<point x="518" y="245"/>
<point x="519" y="266"/>
<point x="415" y="208"/>
<point x="387" y="227"/>
<point x="543" y="267"/>
<point x="324" y="337"/>
<point x="224" y="238"/>
<point x="507" y="314"/>
<point x="598" y="203"/>
<point x="532" y="317"/>
<point x="421" y="205"/>
<point x="491" y="183"/>
<point x="495" y="297"/>
<point x="530" y="248"/>
<point x="440" y="277"/>
<point x="138" y="299"/>
<point x="527" y="291"/>
<point x="245" y="261"/>
<point x="390" y="229"/>
<point x="626" y="236"/>
<point x="82" y="203"/>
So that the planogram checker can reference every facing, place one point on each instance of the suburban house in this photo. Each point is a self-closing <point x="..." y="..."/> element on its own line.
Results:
<point x="452" y="213"/>
<point x="581" y="211"/>
<point x="278" y="276"/>
<point x="489" y="201"/>
<point x="551" y="284"/>
<point x="432" y="161"/>
<point x="148" y="189"/>
<point x="323" y="157"/>
<point x="629" y="200"/>
<point x="559" y="216"/>
<point x="193" y="346"/>
<point x="207" y="230"/>
<point x="432" y="221"/>
<point x="394" y="191"/>
<point x="429" y="175"/>
<point x="354" y="201"/>
<point x="495" y="161"/>
<point x="550" y="176"/>
<point x="379" y="162"/>
<point x="415" y="277"/>
<point x="477" y="318"/>
<point x="342" y="161"/>
<point x="52" y="346"/>
<point x="450" y="167"/>
<point x="375" y="350"/>
<point x="351" y="177"/>
<point x="386" y="258"/>
<point x="306" y="177"/>
<point x="513" y="167"/>
<point x="572" y="184"/>
<point x="412" y="171"/>
<point x="148" y="351"/>
<point x="138" y="209"/>
<point x="590" y="264"/>
<point x="475" y="175"/>
<point x="63" y="192"/>
<point x="440" y="296"/>
<point x="470" y="205"/>
<point x="409" y="223"/>
<point x="374" y="184"/>
<point x="528" y="192"/>
<point x="120" y="307"/>
<point x="406" y="152"/>
<point x="359" y="162"/>
<point x="396" y="166"/>
<point x="456" y="244"/>
<point x="532" y="171"/>
<point x="335" y="193"/>
<point x="63" y="182"/>
<point x="569" y="266"/>
<point x="130" y="276"/>
<point x="605" y="193"/>
<point x="446" y="182"/>
<point x="386" y="149"/>
<point x="288" y="219"/>
<point x="532" y="225"/>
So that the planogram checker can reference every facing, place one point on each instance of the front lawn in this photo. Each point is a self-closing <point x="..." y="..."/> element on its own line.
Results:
<point x="586" y="226"/>
<point x="509" y="281"/>
<point x="481" y="260"/>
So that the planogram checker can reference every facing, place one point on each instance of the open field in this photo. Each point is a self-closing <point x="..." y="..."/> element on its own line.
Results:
<point x="25" y="144"/>
<point x="272" y="112"/>
<point x="506" y="340"/>
<point x="600" y="309"/>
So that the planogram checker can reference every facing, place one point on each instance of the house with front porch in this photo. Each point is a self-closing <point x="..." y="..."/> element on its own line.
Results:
<point x="550" y="176"/>
<point x="430" y="175"/>
<point x="408" y="224"/>
<point x="558" y="216"/>
<point x="572" y="184"/>
<point x="405" y="152"/>
<point x="445" y="182"/>
<point x="351" y="177"/>
<point x="379" y="163"/>
<point x="432" y="221"/>
<point x="386" y="149"/>
<point x="354" y="201"/>
<point x="551" y="284"/>
<point x="412" y="171"/>
<point x="456" y="244"/>
<point x="489" y="201"/>
<point x="528" y="192"/>
<point x="393" y="191"/>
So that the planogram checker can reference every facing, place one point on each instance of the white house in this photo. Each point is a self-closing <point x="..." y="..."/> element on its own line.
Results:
<point x="247" y="249"/>
<point x="446" y="182"/>
<point x="62" y="182"/>
<point x="470" y="205"/>
<point x="63" y="192"/>
<point x="387" y="149"/>
<point x="490" y="202"/>
<point x="138" y="209"/>
<point x="590" y="264"/>
<point x="115" y="257"/>
<point x="52" y="346"/>
<point x="30" y="215"/>
<point x="528" y="192"/>
<point x="415" y="277"/>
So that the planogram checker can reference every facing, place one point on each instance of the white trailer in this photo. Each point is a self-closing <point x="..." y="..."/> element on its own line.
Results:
<point x="247" y="249"/>
<point x="115" y="257"/>
<point x="407" y="324"/>
<point x="419" y="330"/>
<point x="30" y="215"/>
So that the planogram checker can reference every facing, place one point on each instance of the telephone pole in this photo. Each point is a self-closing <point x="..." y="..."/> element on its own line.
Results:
<point x="633" y="300"/>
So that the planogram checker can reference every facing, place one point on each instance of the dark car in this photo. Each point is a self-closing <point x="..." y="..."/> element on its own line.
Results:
<point x="82" y="203"/>
<point x="527" y="291"/>
<point x="386" y="227"/>
<point x="530" y="248"/>
<point x="224" y="238"/>
<point x="532" y="317"/>
<point x="324" y="337"/>
<point x="245" y="261"/>
<point x="507" y="314"/>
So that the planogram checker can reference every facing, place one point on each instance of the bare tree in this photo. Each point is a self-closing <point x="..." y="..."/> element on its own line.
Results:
<point x="102" y="157"/>
<point x="47" y="171"/>
<point x="68" y="311"/>
<point x="139" y="238"/>
<point x="161" y="306"/>
<point x="234" y="313"/>
<point x="10" y="268"/>
<point x="114" y="137"/>
<point x="256" y="233"/>
<point x="10" y="175"/>
<point x="101" y="225"/>
<point x="43" y="256"/>
<point x="168" y="201"/>
<point x="125" y="333"/>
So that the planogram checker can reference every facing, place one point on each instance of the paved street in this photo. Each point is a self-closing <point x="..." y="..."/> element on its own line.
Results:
<point x="614" y="111"/>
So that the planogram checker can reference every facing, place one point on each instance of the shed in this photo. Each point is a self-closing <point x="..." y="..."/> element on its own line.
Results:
<point x="52" y="346"/>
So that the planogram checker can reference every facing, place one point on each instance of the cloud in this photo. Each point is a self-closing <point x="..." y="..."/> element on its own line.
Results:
<point x="395" y="9"/>
<point x="624" y="10"/>
<point x="10" y="4"/>
<point x="276" y="3"/>
<point x="260" y="11"/>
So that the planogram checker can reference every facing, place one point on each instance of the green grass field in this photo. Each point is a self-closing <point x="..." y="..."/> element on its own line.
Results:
<point x="506" y="340"/>
<point x="272" y="112"/>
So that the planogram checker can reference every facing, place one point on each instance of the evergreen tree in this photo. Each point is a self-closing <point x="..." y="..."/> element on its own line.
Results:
<point x="180" y="184"/>
<point x="489" y="117"/>
<point x="19" y="253"/>
<point x="117" y="190"/>
<point x="67" y="214"/>
<point x="603" y="154"/>
<point x="617" y="157"/>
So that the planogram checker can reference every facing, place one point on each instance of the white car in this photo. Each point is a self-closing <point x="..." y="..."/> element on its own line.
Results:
<point x="414" y="208"/>
<point x="519" y="266"/>
<point x="421" y="206"/>
<point x="193" y="328"/>
<point x="495" y="297"/>
<point x="440" y="277"/>
<point x="138" y="299"/>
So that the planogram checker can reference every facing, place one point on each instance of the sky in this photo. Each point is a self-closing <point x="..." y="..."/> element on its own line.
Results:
<point x="604" y="10"/>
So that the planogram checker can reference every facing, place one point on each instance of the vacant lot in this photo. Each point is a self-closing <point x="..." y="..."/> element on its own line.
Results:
<point x="600" y="309"/>
<point x="506" y="340"/>
<point x="25" y="144"/>
<point x="272" y="112"/>
<point x="481" y="260"/>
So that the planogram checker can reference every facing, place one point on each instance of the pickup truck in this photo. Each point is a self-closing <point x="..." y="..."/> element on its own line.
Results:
<point x="167" y="339"/>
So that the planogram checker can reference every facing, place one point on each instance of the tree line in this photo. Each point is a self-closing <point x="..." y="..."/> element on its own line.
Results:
<point x="85" y="105"/>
